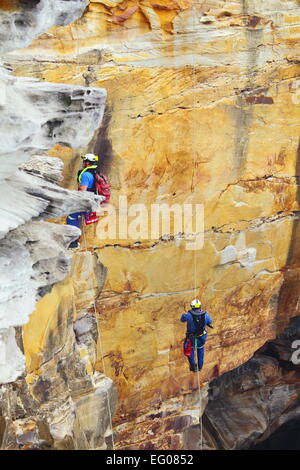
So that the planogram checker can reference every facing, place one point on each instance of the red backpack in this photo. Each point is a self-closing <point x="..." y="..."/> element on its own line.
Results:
<point x="187" y="347"/>
<point x="102" y="187"/>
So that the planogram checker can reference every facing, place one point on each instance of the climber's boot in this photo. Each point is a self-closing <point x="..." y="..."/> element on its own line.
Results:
<point x="74" y="244"/>
<point x="197" y="369"/>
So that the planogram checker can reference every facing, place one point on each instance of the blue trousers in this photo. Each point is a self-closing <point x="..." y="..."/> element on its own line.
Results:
<point x="198" y="344"/>
<point x="75" y="219"/>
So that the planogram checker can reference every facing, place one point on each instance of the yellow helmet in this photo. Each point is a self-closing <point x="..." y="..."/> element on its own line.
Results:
<point x="196" y="303"/>
<point x="90" y="157"/>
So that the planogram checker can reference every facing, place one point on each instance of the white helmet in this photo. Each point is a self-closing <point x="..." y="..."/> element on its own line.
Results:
<point x="196" y="303"/>
<point x="90" y="157"/>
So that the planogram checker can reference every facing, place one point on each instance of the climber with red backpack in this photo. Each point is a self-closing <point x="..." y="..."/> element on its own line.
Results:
<point x="197" y="320"/>
<point x="89" y="179"/>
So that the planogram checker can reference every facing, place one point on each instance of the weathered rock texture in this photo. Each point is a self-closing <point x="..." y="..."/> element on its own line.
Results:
<point x="34" y="116"/>
<point x="22" y="20"/>
<point x="63" y="403"/>
<point x="202" y="107"/>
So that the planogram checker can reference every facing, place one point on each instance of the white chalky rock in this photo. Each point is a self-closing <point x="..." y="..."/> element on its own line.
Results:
<point x="11" y="359"/>
<point x="228" y="255"/>
<point x="17" y="299"/>
<point x="33" y="17"/>
<point x="247" y="257"/>
<point x="33" y="118"/>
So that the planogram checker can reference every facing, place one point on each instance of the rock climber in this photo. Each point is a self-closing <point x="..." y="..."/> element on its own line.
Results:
<point x="197" y="320"/>
<point x="89" y="180"/>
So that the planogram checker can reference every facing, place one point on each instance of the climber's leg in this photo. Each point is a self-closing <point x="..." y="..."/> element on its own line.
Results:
<point x="192" y="356"/>
<point x="200" y="351"/>
<point x="75" y="220"/>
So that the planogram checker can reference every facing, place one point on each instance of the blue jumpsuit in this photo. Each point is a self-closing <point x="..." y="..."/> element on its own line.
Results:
<point x="197" y="343"/>
<point x="88" y="180"/>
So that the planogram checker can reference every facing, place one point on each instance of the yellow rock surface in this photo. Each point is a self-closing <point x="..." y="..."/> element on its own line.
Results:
<point x="46" y="332"/>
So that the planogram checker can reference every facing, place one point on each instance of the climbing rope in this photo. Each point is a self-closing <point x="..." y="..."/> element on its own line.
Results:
<point x="195" y="271"/>
<point x="195" y="251"/>
<point x="200" y="399"/>
<point x="78" y="74"/>
<point x="100" y="343"/>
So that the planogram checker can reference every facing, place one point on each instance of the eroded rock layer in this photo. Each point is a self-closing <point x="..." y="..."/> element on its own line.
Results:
<point x="202" y="107"/>
<point x="59" y="343"/>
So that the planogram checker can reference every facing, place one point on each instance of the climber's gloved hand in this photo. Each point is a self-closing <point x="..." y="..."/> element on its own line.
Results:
<point x="210" y="325"/>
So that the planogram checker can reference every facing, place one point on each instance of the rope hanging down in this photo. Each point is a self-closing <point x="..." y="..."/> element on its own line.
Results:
<point x="79" y="74"/>
<point x="193" y="125"/>
<point x="195" y="262"/>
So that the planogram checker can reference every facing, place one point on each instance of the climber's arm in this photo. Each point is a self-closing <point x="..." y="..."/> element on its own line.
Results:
<point x="208" y="320"/>
<point x="183" y="318"/>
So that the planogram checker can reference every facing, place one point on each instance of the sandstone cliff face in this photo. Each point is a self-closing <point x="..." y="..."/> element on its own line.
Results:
<point x="202" y="107"/>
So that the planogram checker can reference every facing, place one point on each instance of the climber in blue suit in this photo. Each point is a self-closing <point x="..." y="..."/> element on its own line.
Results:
<point x="86" y="182"/>
<point x="197" y="320"/>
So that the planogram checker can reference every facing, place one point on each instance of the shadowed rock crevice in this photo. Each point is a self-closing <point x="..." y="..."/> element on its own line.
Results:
<point x="244" y="112"/>
<point x="286" y="437"/>
<point x="103" y="146"/>
<point x="252" y="402"/>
